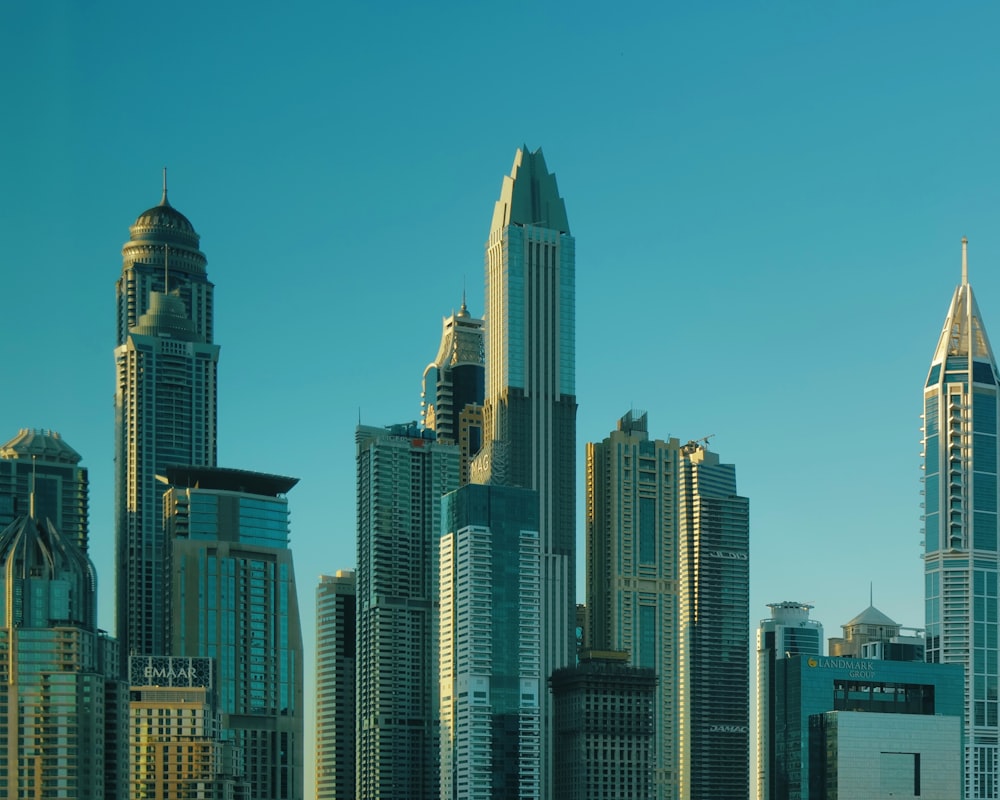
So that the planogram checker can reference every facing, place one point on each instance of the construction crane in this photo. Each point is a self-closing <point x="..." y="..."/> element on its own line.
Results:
<point x="696" y="444"/>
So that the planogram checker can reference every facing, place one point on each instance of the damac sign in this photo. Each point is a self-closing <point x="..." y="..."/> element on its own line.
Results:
<point x="726" y="554"/>
<point x="728" y="729"/>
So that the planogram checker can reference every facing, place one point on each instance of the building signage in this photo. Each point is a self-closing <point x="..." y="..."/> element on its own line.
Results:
<point x="856" y="667"/>
<point x="727" y="554"/>
<point x="170" y="671"/>
<point x="728" y="729"/>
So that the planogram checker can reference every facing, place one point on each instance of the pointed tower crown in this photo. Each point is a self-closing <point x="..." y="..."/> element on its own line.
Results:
<point x="530" y="196"/>
<point x="964" y="334"/>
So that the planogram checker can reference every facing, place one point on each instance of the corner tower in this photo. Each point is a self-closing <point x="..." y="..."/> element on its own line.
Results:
<point x="961" y="413"/>
<point x="529" y="420"/>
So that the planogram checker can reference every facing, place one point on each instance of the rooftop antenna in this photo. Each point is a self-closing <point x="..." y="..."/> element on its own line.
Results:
<point x="31" y="495"/>
<point x="163" y="200"/>
<point x="965" y="260"/>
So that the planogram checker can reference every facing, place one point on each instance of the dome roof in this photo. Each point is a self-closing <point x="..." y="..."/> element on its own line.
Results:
<point x="164" y="223"/>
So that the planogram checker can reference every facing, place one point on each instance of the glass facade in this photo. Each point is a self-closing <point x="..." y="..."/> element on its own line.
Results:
<point x="490" y="691"/>
<point x="232" y="599"/>
<point x="529" y="415"/>
<point x="883" y="690"/>
<point x="714" y="674"/>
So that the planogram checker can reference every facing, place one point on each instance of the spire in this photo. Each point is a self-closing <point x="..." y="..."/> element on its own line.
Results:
<point x="965" y="261"/>
<point x="163" y="200"/>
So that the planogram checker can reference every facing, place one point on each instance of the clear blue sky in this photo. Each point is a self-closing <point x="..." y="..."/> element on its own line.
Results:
<point x="767" y="199"/>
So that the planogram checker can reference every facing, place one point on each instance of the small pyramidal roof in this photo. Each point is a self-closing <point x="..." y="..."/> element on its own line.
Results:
<point x="530" y="196"/>
<point x="871" y="616"/>
<point x="963" y="333"/>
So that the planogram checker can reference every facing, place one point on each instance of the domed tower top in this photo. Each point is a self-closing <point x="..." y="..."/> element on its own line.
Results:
<point x="163" y="255"/>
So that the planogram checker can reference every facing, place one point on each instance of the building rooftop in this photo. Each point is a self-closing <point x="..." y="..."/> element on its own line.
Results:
<point x="229" y="480"/>
<point x="46" y="445"/>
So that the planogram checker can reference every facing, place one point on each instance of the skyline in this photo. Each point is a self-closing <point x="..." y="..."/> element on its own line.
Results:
<point x="787" y="189"/>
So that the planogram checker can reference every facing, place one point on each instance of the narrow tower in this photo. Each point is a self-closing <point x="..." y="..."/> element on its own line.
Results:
<point x="529" y="426"/>
<point x="787" y="632"/>
<point x="165" y="407"/>
<point x="402" y="475"/>
<point x="961" y="554"/>
<point x="336" y="609"/>
<point x="714" y="675"/>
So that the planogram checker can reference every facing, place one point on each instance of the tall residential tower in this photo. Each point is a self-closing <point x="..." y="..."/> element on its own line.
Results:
<point x="632" y="566"/>
<point x="529" y="426"/>
<point x="402" y="475"/>
<point x="961" y="554"/>
<point x="165" y="407"/>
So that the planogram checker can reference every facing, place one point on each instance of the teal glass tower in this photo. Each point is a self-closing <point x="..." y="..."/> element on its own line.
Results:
<point x="490" y="644"/>
<point x="232" y="598"/>
<point x="529" y="415"/>
<point x="961" y="555"/>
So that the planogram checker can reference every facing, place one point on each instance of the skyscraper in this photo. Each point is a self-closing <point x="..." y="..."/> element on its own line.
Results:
<point x="402" y="475"/>
<point x="714" y="674"/>
<point x="787" y="632"/>
<point x="632" y="530"/>
<point x="165" y="406"/>
<point x="530" y="409"/>
<point x="961" y="554"/>
<point x="489" y="645"/>
<point x="232" y="598"/>
<point x="40" y="462"/>
<point x="452" y="393"/>
<point x="62" y="721"/>
<point x="336" y="607"/>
